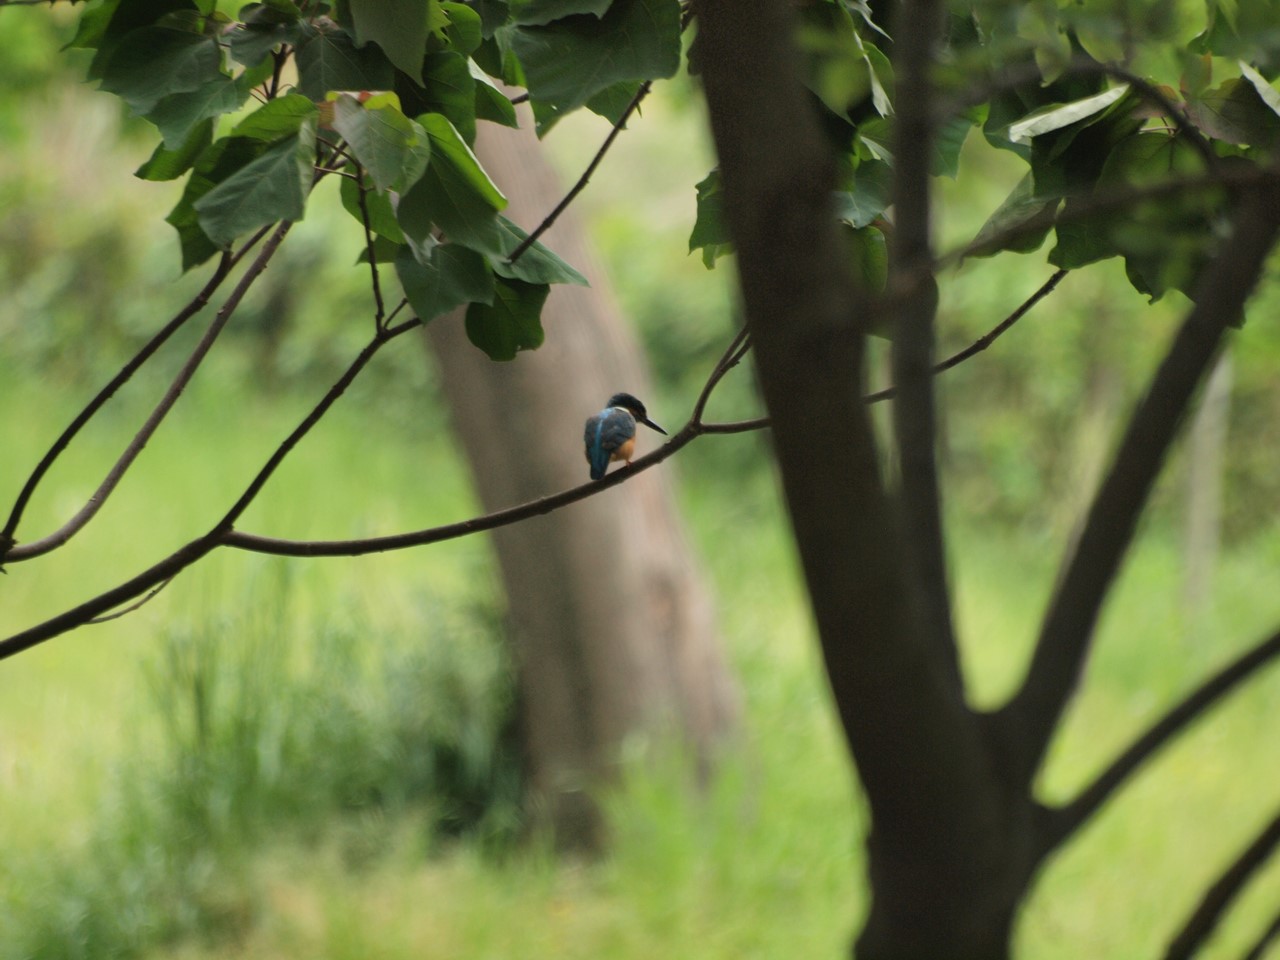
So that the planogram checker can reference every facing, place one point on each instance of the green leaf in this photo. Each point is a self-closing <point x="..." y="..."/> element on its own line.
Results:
<point x="512" y="322"/>
<point x="535" y="265"/>
<point x="272" y="187"/>
<point x="465" y="31"/>
<point x="948" y="141"/>
<point x="276" y="119"/>
<point x="219" y="161"/>
<point x="454" y="194"/>
<point x="166" y="164"/>
<point x="1235" y="113"/>
<point x="384" y="251"/>
<point x="612" y="102"/>
<point x="869" y="197"/>
<point x="103" y="28"/>
<point x="491" y="103"/>
<point x="390" y="146"/>
<point x="329" y="60"/>
<point x="452" y="276"/>
<point x="450" y="89"/>
<point x="1057" y="116"/>
<point x="569" y="61"/>
<point x="1264" y="89"/>
<point x="1024" y="209"/>
<point x="399" y="27"/>
<point x="382" y="217"/>
<point x="493" y="14"/>
<point x="869" y="256"/>
<point x="263" y="27"/>
<point x="177" y="114"/>
<point x="541" y="12"/>
<point x="710" y="232"/>
<point x="153" y="62"/>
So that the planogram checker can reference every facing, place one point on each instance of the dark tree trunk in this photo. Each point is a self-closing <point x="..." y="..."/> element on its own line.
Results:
<point x="613" y="627"/>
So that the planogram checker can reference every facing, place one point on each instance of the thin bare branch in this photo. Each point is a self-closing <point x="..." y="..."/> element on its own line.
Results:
<point x="1268" y="937"/>
<point x="379" y="314"/>
<point x="1032" y="715"/>
<point x="136" y="605"/>
<point x="126" y="372"/>
<point x="888" y="393"/>
<point x="731" y="357"/>
<point x="28" y="551"/>
<point x="583" y="180"/>
<point x="1219" y="897"/>
<point x="1065" y="821"/>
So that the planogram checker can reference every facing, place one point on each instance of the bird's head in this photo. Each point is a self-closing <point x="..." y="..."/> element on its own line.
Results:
<point x="633" y="406"/>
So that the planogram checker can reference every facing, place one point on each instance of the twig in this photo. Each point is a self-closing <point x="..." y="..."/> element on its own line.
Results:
<point x="132" y="607"/>
<point x="379" y="313"/>
<point x="731" y="357"/>
<point x="888" y="393"/>
<point x="381" y="338"/>
<point x="1260" y="945"/>
<point x="126" y="372"/>
<point x="1205" y="918"/>
<point x="578" y="187"/>
<point x="86" y="513"/>
<point x="1066" y="820"/>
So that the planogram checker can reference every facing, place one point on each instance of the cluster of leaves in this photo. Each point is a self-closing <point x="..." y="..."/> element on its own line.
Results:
<point x="1129" y="116"/>
<point x="386" y="94"/>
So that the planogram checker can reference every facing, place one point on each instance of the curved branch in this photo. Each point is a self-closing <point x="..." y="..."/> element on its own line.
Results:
<point x="888" y="393"/>
<point x="1260" y="945"/>
<point x="583" y="180"/>
<point x="86" y="513"/>
<point x="198" y="303"/>
<point x="1065" y="821"/>
<point x="1219" y="897"/>
<point x="1066" y="633"/>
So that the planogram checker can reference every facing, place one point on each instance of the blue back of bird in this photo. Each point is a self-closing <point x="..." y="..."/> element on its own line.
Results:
<point x="606" y="432"/>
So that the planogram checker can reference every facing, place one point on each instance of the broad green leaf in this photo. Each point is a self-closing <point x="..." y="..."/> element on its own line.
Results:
<point x="1235" y="113"/>
<point x="452" y="276"/>
<point x="535" y="265"/>
<point x="390" y="146"/>
<point x="216" y="163"/>
<point x="399" y="27"/>
<point x="491" y="103"/>
<point x="382" y="217"/>
<point x="948" y="140"/>
<point x="710" y="232"/>
<point x="1019" y="224"/>
<point x="329" y="60"/>
<point x="262" y="28"/>
<point x="869" y="196"/>
<point x="612" y="102"/>
<point x="154" y="62"/>
<point x="102" y="28"/>
<point x="493" y="14"/>
<point x="869" y="257"/>
<point x="272" y="187"/>
<point x="1056" y="117"/>
<point x="512" y="322"/>
<point x="175" y="115"/>
<point x="384" y="251"/>
<point x="166" y="164"/>
<point x="568" y="62"/>
<point x="1265" y="90"/>
<point x="454" y="194"/>
<point x="276" y="118"/>
<point x="542" y="12"/>
<point x="465" y="31"/>
<point x="450" y="89"/>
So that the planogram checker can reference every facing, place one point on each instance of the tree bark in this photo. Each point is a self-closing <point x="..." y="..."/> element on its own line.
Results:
<point x="613" y="627"/>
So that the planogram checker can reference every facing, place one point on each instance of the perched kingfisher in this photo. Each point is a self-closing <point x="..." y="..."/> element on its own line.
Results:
<point x="611" y="433"/>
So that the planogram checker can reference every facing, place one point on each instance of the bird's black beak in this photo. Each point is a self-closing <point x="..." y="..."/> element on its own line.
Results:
<point x="649" y="423"/>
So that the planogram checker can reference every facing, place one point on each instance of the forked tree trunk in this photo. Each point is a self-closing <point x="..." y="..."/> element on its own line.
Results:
<point x="613" y="627"/>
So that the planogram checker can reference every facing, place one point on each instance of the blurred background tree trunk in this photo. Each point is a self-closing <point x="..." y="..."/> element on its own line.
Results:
<point x="1206" y="450"/>
<point x="613" y="627"/>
